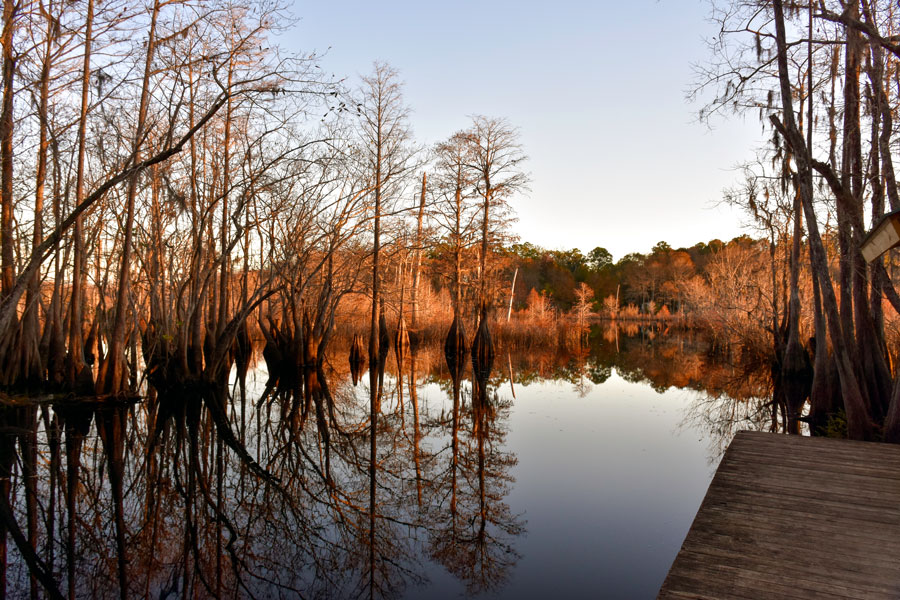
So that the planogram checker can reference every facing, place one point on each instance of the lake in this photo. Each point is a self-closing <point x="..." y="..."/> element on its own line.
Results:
<point x="576" y="473"/>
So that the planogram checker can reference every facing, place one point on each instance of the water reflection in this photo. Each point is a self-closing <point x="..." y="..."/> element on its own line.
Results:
<point x="283" y="484"/>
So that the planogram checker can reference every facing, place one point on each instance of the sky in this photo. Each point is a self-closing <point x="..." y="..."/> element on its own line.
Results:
<point x="617" y="156"/>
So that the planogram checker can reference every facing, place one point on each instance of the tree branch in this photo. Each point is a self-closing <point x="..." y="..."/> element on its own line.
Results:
<point x="40" y="253"/>
<point x="866" y="28"/>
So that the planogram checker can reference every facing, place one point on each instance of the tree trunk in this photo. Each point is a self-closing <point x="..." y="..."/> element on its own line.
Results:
<point x="484" y="240"/>
<point x="75" y="357"/>
<point x="417" y="261"/>
<point x="32" y="367"/>
<point x="859" y="422"/>
<point x="10" y="10"/>
<point x="114" y="377"/>
<point x="226" y="222"/>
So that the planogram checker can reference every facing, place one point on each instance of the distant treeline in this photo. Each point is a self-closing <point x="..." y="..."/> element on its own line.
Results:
<point x="663" y="283"/>
<point x="652" y="281"/>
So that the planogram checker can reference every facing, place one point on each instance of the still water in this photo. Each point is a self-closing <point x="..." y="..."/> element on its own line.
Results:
<point x="577" y="475"/>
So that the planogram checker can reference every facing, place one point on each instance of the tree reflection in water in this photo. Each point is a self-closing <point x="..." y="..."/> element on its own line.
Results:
<point x="264" y="488"/>
<point x="473" y="529"/>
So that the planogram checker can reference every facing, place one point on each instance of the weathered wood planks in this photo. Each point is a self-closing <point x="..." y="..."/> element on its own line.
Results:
<point x="795" y="517"/>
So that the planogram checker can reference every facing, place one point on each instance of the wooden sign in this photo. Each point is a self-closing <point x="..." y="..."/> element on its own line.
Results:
<point x="883" y="237"/>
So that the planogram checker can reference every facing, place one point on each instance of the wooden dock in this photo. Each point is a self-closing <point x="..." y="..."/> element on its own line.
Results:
<point x="795" y="517"/>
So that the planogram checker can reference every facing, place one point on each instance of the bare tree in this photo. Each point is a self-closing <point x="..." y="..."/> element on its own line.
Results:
<point x="385" y="139"/>
<point x="767" y="52"/>
<point x="456" y="216"/>
<point x="496" y="162"/>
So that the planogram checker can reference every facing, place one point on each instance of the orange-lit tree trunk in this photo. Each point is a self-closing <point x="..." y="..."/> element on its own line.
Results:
<point x="10" y="8"/>
<point x="495" y="161"/>
<point x="417" y="259"/>
<point x="10" y="11"/>
<point x="32" y="369"/>
<point x="859" y="421"/>
<point x="114" y="377"/>
<point x="225" y="276"/>
<point x="195" y="335"/>
<point x="385" y="133"/>
<point x="75" y="358"/>
<point x="872" y="367"/>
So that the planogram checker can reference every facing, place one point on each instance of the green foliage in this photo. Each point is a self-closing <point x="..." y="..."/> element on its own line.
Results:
<point x="837" y="425"/>
<point x="572" y="260"/>
<point x="661" y="248"/>
<point x="599" y="373"/>
<point x="599" y="258"/>
<point x="527" y="250"/>
<point x="632" y="258"/>
<point x="742" y="240"/>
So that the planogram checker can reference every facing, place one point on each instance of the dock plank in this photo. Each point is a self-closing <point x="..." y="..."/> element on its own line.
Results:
<point x="794" y="517"/>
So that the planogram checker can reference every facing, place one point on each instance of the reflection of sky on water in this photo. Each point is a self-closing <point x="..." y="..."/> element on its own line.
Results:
<point x="580" y="480"/>
<point x="608" y="485"/>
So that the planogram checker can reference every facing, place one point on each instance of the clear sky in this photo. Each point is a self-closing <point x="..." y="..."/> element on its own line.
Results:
<point x="597" y="89"/>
